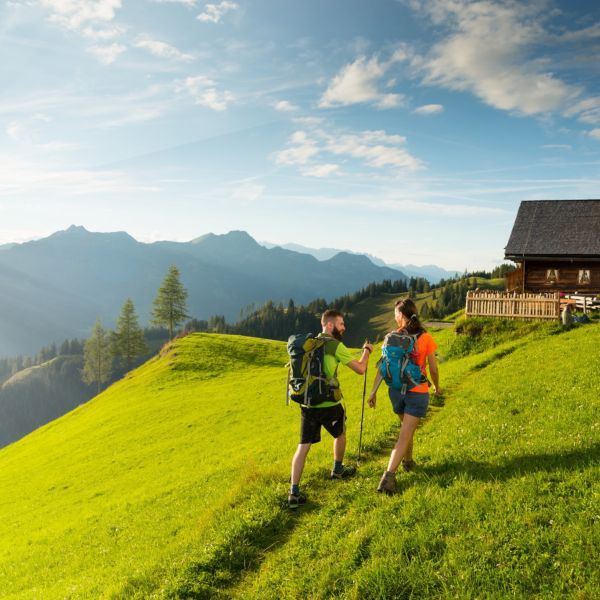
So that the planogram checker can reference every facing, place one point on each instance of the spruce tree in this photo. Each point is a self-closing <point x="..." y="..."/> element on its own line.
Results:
<point x="97" y="357"/>
<point x="128" y="340"/>
<point x="170" y="302"/>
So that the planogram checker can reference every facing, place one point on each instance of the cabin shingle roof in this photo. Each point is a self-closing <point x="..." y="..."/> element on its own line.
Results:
<point x="556" y="228"/>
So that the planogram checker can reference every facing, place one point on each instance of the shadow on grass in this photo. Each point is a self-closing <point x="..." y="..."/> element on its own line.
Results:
<point x="447" y="472"/>
<point x="240" y="543"/>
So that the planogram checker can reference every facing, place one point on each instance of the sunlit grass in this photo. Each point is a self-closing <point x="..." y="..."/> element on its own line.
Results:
<point x="173" y="483"/>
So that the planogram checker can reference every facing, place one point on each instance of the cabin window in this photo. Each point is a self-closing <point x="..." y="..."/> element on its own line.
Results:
<point x="552" y="276"/>
<point x="584" y="277"/>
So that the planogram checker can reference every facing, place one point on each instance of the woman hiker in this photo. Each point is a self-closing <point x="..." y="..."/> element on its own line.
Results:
<point x="411" y="406"/>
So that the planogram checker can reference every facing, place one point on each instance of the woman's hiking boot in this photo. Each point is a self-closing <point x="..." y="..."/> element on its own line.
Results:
<point x="408" y="465"/>
<point x="296" y="500"/>
<point x="344" y="473"/>
<point x="387" y="483"/>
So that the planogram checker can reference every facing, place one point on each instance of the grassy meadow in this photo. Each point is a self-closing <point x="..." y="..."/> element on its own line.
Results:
<point x="172" y="483"/>
<point x="373" y="317"/>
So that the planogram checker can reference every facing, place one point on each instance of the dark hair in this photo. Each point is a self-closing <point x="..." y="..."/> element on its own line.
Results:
<point x="408" y="308"/>
<point x="329" y="314"/>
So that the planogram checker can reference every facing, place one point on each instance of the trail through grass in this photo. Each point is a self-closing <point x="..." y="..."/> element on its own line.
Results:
<point x="172" y="484"/>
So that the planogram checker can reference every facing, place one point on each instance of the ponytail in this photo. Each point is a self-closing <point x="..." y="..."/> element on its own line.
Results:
<point x="409" y="309"/>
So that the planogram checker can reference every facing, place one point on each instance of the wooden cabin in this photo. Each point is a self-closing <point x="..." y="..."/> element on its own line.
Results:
<point x="556" y="245"/>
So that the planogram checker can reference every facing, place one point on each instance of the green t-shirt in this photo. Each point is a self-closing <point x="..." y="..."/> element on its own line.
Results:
<point x="335" y="353"/>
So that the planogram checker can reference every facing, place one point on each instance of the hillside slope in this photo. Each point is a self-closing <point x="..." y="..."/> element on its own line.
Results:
<point x="172" y="483"/>
<point x="373" y="316"/>
<point x="37" y="395"/>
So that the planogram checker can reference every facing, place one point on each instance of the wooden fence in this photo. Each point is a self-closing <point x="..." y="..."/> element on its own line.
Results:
<point x="512" y="305"/>
<point x="582" y="302"/>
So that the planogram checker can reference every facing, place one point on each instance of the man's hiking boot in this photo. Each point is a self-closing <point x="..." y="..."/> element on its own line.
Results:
<point x="344" y="473"/>
<point x="387" y="483"/>
<point x="296" y="500"/>
<point x="408" y="465"/>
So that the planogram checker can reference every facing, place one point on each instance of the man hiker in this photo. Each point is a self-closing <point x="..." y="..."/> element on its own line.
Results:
<point x="329" y="414"/>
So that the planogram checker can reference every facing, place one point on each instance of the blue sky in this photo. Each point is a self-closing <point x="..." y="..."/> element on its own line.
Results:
<point x="407" y="129"/>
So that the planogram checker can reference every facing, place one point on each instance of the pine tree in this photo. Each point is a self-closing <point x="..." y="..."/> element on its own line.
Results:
<point x="128" y="340"/>
<point x="170" y="302"/>
<point x="97" y="358"/>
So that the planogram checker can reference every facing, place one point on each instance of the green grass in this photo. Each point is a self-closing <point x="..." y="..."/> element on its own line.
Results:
<point x="373" y="317"/>
<point x="172" y="484"/>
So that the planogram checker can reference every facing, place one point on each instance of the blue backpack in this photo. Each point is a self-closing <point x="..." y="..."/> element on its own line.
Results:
<point x="397" y="365"/>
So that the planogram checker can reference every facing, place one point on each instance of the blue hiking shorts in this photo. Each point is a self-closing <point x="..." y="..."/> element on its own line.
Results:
<point x="411" y="403"/>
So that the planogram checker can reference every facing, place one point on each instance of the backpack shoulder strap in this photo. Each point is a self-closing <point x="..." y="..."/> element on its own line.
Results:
<point x="330" y="343"/>
<point x="330" y="347"/>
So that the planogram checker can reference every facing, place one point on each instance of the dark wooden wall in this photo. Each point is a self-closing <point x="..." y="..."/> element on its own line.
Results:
<point x="568" y="277"/>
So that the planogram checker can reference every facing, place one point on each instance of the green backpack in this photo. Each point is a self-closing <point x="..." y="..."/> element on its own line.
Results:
<point x="307" y="383"/>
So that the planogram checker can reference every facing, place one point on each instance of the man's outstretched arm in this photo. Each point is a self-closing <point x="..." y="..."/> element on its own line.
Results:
<point x="360" y="366"/>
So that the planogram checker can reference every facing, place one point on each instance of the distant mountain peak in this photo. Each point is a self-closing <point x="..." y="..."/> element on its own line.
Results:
<point x="235" y="238"/>
<point x="349" y="258"/>
<point x="76" y="228"/>
<point x="239" y="236"/>
<point x="72" y="230"/>
<point x="79" y="232"/>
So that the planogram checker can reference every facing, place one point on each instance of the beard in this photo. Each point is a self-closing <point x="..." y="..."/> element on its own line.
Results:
<point x="337" y="334"/>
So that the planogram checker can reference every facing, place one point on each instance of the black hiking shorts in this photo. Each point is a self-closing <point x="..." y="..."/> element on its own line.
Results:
<point x="333" y="418"/>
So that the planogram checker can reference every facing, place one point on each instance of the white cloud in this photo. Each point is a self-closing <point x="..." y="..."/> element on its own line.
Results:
<point x="91" y="19"/>
<point x="375" y="149"/>
<point x="487" y="53"/>
<point x="19" y="177"/>
<point x="107" y="54"/>
<point x="29" y="132"/>
<point x="104" y="33"/>
<point x="72" y="14"/>
<point x="301" y="151"/>
<point x="204" y="92"/>
<point x="213" y="13"/>
<point x="95" y="112"/>
<point x="595" y="133"/>
<point x="248" y="192"/>
<point x="557" y="147"/>
<point x="324" y="170"/>
<point x="589" y="33"/>
<point x="429" y="109"/>
<point x="162" y="49"/>
<point x="285" y="106"/>
<point x="586" y="111"/>
<point x="357" y="83"/>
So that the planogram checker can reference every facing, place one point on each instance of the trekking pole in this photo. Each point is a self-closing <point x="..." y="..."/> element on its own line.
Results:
<point x="362" y="412"/>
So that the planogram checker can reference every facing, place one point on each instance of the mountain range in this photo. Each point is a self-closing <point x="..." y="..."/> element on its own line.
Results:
<point x="432" y="273"/>
<point x="55" y="288"/>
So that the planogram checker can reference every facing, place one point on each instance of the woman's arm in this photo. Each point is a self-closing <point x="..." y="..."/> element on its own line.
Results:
<point x="373" y="393"/>
<point x="433" y="371"/>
